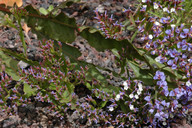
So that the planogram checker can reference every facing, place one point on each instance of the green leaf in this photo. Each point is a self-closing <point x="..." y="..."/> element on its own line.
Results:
<point x="148" y="27"/>
<point x="19" y="56"/>
<point x="43" y="11"/>
<point x="10" y="65"/>
<point x="28" y="90"/>
<point x="93" y="73"/>
<point x="123" y="107"/>
<point x="50" y="8"/>
<point x="67" y="50"/>
<point x="98" y="41"/>
<point x="153" y="62"/>
<point x="66" y="97"/>
<point x="88" y="86"/>
<point x="141" y="74"/>
<point x="115" y="52"/>
<point x="102" y="104"/>
<point x="59" y="28"/>
<point x="155" y="14"/>
<point x="70" y="87"/>
<point x="168" y="71"/>
<point x="134" y="35"/>
<point x="132" y="19"/>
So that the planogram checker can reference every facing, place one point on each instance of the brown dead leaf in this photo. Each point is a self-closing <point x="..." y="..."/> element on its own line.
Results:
<point x="26" y="28"/>
<point x="11" y="2"/>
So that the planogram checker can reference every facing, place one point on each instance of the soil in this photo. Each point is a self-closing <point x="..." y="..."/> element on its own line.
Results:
<point x="36" y="114"/>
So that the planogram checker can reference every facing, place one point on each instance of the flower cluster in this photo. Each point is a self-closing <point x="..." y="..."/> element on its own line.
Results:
<point x="108" y="26"/>
<point x="170" y="43"/>
<point x="11" y="94"/>
<point x="173" y="5"/>
<point x="129" y="98"/>
<point x="53" y="82"/>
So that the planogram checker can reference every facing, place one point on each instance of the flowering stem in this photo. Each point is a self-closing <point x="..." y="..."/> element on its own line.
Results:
<point x="22" y="36"/>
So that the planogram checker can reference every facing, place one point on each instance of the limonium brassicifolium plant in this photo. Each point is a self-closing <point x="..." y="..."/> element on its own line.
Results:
<point x="169" y="41"/>
<point x="158" y="90"/>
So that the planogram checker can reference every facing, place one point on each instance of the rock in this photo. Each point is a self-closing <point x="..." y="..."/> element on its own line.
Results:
<point x="31" y="48"/>
<point x="44" y="121"/>
<point x="11" y="122"/>
<point x="181" y="123"/>
<point x="106" y="3"/>
<point x="23" y="65"/>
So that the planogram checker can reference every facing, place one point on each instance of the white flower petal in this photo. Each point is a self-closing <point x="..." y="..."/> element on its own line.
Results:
<point x="188" y="83"/>
<point x="172" y="10"/>
<point x="131" y="107"/>
<point x="140" y="85"/>
<point x="157" y="59"/>
<point x="138" y="92"/>
<point x="150" y="36"/>
<point x="172" y="25"/>
<point x="111" y="108"/>
<point x="131" y="96"/>
<point x="144" y="6"/>
<point x="157" y="23"/>
<point x="117" y="97"/>
<point x="155" y="6"/>
<point x="136" y="96"/>
<point x="165" y="9"/>
<point x="126" y="87"/>
<point x="125" y="83"/>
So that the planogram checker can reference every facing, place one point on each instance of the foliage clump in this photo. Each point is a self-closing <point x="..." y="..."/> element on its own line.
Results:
<point x="159" y="90"/>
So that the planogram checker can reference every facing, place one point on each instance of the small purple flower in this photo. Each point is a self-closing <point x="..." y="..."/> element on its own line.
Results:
<point x="175" y="103"/>
<point x="143" y="9"/>
<point x="177" y="30"/>
<point x="151" y="111"/>
<point x="174" y="66"/>
<point x="170" y="62"/>
<point x="157" y="115"/>
<point x="159" y="76"/>
<point x="190" y="60"/>
<point x="178" y="92"/>
<point x="161" y="83"/>
<point x="147" y="98"/>
<point x="184" y="47"/>
<point x="184" y="33"/>
<point x="141" y="28"/>
<point x="168" y="32"/>
<point x="166" y="115"/>
<point x="173" y="53"/>
<point x="148" y="45"/>
<point x="184" y="56"/>
<point x="165" y="90"/>
<point x="165" y="20"/>
<point x="165" y="104"/>
<point x="153" y="52"/>
<point x="183" y="63"/>
<point x="189" y="47"/>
